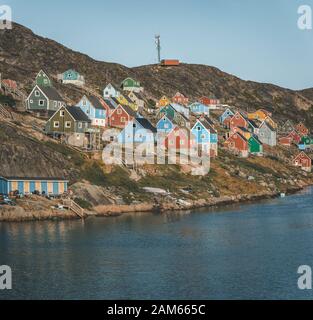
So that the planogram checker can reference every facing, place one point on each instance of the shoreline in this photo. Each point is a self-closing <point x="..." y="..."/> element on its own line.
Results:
<point x="18" y="214"/>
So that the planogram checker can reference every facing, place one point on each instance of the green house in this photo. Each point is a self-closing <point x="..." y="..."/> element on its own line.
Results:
<point x="68" y="120"/>
<point x="42" y="79"/>
<point x="130" y="84"/>
<point x="255" y="145"/>
<point x="172" y="114"/>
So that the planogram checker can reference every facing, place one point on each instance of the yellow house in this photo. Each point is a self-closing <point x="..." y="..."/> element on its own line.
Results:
<point x="260" y="115"/>
<point x="126" y="101"/>
<point x="164" y="101"/>
<point x="271" y="122"/>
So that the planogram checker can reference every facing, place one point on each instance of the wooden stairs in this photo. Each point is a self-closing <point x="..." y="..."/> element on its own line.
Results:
<point x="74" y="207"/>
<point x="5" y="114"/>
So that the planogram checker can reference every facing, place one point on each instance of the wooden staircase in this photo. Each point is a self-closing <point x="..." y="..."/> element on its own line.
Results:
<point x="74" y="207"/>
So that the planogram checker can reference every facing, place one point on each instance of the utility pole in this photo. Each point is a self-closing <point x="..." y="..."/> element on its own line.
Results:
<point x="158" y="45"/>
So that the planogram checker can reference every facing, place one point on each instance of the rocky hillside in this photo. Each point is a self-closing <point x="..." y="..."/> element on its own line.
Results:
<point x="22" y="54"/>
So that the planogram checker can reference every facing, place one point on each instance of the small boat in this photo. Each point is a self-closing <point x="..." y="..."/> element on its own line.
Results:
<point x="283" y="195"/>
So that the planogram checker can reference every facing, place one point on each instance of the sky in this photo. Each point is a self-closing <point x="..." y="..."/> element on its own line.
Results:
<point x="252" y="39"/>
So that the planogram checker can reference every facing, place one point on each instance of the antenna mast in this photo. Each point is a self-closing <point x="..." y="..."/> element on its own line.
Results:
<point x="158" y="45"/>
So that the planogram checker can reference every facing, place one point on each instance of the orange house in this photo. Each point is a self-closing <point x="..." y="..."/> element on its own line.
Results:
<point x="238" y="120"/>
<point x="302" y="129"/>
<point x="304" y="161"/>
<point x="163" y="102"/>
<point x="238" y="144"/>
<point x="260" y="115"/>
<point x="180" y="99"/>
<point x="285" y="141"/>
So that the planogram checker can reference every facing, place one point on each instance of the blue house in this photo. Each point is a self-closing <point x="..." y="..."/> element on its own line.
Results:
<point x="165" y="125"/>
<point x="199" y="108"/>
<point x="205" y="133"/>
<point x="94" y="109"/>
<point x="227" y="113"/>
<point x="139" y="130"/>
<point x="47" y="186"/>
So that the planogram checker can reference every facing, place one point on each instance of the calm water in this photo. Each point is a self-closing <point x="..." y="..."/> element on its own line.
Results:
<point x="248" y="251"/>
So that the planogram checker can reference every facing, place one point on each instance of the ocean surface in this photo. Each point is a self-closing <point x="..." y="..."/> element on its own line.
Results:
<point x="249" y="251"/>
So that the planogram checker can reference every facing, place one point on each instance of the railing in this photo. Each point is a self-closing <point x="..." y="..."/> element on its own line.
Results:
<point x="73" y="206"/>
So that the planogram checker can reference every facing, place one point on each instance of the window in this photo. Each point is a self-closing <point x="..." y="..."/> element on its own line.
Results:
<point x="84" y="102"/>
<point x="134" y="125"/>
<point x="62" y="113"/>
<point x="37" y="93"/>
<point x="56" y="124"/>
<point x="166" y="126"/>
<point x="41" y="102"/>
<point x="67" y="124"/>
<point x="123" y="119"/>
<point x="80" y="125"/>
<point x="31" y="101"/>
<point x="45" y="81"/>
<point x="119" y="111"/>
<point x="55" y="104"/>
<point x="171" y="142"/>
<point x="202" y="136"/>
<point x="60" y="103"/>
<point x="198" y="128"/>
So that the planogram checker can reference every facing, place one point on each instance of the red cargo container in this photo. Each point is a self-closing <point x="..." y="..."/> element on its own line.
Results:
<point x="169" y="63"/>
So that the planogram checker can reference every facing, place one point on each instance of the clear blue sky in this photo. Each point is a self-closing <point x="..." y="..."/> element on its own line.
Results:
<point x="252" y="39"/>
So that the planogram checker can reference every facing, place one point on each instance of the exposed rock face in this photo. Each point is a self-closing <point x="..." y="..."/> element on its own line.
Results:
<point x="23" y="54"/>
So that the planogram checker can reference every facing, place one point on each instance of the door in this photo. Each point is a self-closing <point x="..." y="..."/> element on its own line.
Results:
<point x="44" y="187"/>
<point x="55" y="188"/>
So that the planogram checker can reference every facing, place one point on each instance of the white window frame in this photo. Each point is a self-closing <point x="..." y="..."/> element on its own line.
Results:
<point x="68" y="124"/>
<point x="56" y="124"/>
<point x="41" y="102"/>
<point x="37" y="93"/>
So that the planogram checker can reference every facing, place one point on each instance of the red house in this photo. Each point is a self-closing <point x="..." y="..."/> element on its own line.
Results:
<point x="238" y="120"/>
<point x="179" y="139"/>
<point x="296" y="138"/>
<point x="304" y="161"/>
<point x="285" y="141"/>
<point x="121" y="116"/>
<point x="302" y="129"/>
<point x="180" y="99"/>
<point x="238" y="144"/>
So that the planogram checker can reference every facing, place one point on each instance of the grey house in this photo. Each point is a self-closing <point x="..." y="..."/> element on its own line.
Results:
<point x="267" y="134"/>
<point x="44" y="99"/>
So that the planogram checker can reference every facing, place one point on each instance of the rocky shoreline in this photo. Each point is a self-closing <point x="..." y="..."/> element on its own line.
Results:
<point x="20" y="214"/>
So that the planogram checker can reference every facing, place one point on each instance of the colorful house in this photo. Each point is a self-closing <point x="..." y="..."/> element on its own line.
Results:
<point x="42" y="79"/>
<point x="238" y="120"/>
<point x="267" y="134"/>
<point x="243" y="131"/>
<point x="179" y="140"/>
<point x="181" y="109"/>
<point x="238" y="144"/>
<point x="164" y="101"/>
<point x="125" y="100"/>
<point x="204" y="100"/>
<point x="109" y="105"/>
<point x="138" y="130"/>
<point x="227" y="114"/>
<point x="285" y="141"/>
<point x="302" y="129"/>
<point x="255" y="145"/>
<point x="94" y="109"/>
<point x="68" y="120"/>
<point x="305" y="143"/>
<point x="179" y="98"/>
<point x="110" y="91"/>
<point x="199" y="108"/>
<point x="253" y="126"/>
<point x="130" y="84"/>
<point x="304" y="161"/>
<point x="176" y="117"/>
<point x="137" y="98"/>
<point x="205" y="133"/>
<point x="165" y="125"/>
<point x="28" y="185"/>
<point x="260" y="115"/>
<point x="271" y="122"/>
<point x="295" y="137"/>
<point x="71" y="77"/>
<point x="44" y="98"/>
<point x="121" y="116"/>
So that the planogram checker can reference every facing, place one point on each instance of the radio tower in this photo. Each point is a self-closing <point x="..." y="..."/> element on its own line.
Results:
<point x="158" y="45"/>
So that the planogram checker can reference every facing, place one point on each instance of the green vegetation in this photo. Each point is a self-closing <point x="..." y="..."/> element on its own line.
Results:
<point x="83" y="203"/>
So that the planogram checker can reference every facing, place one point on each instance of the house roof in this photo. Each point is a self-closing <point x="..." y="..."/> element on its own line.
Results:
<point x="254" y="123"/>
<point x="110" y="103"/>
<point x="51" y="93"/>
<point x="256" y="139"/>
<point x="137" y="95"/>
<point x="33" y="178"/>
<point x="78" y="114"/>
<point x="129" y="110"/>
<point x="268" y="125"/>
<point x="95" y="102"/>
<point x="207" y="124"/>
<point x="146" y="124"/>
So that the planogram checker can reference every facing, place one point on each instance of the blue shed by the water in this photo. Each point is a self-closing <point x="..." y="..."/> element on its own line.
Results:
<point x="48" y="186"/>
